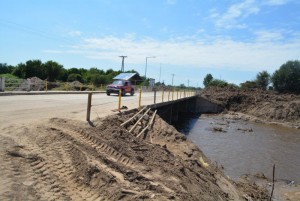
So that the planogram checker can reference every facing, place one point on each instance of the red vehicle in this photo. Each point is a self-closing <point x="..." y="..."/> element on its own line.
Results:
<point x="123" y="85"/>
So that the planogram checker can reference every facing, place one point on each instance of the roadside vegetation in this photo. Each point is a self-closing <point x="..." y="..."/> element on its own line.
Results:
<point x="284" y="80"/>
<point x="53" y="71"/>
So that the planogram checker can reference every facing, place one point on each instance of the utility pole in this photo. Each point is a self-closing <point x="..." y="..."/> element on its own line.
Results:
<point x="172" y="79"/>
<point x="146" y="66"/>
<point x="159" y="72"/>
<point x="122" y="67"/>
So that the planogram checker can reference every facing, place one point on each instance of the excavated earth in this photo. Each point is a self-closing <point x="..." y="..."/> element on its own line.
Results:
<point x="63" y="159"/>
<point x="264" y="106"/>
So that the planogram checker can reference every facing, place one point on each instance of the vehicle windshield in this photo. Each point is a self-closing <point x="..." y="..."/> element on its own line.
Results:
<point x="118" y="82"/>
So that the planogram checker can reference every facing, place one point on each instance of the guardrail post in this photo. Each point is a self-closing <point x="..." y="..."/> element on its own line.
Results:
<point x="46" y="83"/>
<point x="154" y="95"/>
<point x="140" y="98"/>
<point x="120" y="98"/>
<point x="89" y="105"/>
<point x="2" y="84"/>
<point x="28" y="84"/>
<point x="172" y="93"/>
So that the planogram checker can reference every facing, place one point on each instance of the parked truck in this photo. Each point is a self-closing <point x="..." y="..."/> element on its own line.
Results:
<point x="124" y="85"/>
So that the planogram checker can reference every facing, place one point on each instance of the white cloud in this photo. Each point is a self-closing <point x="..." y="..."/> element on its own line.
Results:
<point x="265" y="35"/>
<point x="232" y="18"/>
<point x="218" y="53"/>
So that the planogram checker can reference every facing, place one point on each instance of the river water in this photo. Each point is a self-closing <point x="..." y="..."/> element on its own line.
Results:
<point x="244" y="147"/>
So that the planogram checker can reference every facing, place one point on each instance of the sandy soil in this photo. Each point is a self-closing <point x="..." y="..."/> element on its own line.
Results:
<point x="62" y="159"/>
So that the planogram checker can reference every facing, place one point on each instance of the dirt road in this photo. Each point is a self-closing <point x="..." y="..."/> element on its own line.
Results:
<point x="21" y="110"/>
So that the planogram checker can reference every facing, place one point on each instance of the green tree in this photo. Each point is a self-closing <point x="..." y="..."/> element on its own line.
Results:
<point x="74" y="77"/>
<point x="249" y="85"/>
<point x="6" y="69"/>
<point x="53" y="70"/>
<point x="287" y="77"/>
<point x="98" y="79"/>
<point x="207" y="80"/>
<point x="32" y="68"/>
<point x="263" y="79"/>
<point x="218" y="83"/>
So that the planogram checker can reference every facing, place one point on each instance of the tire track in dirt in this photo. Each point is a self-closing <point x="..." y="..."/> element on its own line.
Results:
<point x="62" y="167"/>
<point x="103" y="149"/>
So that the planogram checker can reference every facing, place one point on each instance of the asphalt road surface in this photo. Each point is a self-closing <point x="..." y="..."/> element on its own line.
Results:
<point x="24" y="109"/>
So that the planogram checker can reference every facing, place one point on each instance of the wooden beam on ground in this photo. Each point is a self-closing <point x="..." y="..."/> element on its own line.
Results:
<point x="126" y="122"/>
<point x="149" y="125"/>
<point x="139" y="120"/>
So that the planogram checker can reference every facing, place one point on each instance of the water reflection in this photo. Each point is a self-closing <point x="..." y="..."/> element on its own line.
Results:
<point x="247" y="148"/>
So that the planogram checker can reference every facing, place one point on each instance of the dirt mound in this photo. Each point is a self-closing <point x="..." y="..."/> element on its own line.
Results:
<point x="71" y="160"/>
<point x="266" y="105"/>
<point x="31" y="84"/>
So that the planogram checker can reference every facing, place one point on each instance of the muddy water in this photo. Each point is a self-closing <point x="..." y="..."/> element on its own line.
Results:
<point x="247" y="148"/>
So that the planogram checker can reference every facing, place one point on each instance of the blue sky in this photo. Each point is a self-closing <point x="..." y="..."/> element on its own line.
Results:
<point x="231" y="39"/>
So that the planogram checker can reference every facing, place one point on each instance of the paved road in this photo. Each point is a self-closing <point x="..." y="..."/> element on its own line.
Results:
<point x="24" y="109"/>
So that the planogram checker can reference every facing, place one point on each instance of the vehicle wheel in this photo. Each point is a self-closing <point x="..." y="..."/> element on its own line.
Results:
<point x="132" y="92"/>
<point x="123" y="93"/>
<point x="108" y="94"/>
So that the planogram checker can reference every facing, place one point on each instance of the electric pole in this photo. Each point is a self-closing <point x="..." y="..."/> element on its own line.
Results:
<point x="159" y="72"/>
<point x="172" y="79"/>
<point x="122" y="67"/>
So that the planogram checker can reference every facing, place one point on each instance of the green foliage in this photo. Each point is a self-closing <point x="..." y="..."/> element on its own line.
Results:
<point x="74" y="77"/>
<point x="9" y="76"/>
<point x="98" y="79"/>
<point x="5" y="69"/>
<point x="53" y="70"/>
<point x="287" y="78"/>
<point x="249" y="85"/>
<point x="263" y="79"/>
<point x="218" y="83"/>
<point x="207" y="80"/>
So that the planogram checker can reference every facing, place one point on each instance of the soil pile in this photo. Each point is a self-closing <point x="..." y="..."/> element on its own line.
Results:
<point x="265" y="105"/>
<point x="35" y="84"/>
<point x="71" y="160"/>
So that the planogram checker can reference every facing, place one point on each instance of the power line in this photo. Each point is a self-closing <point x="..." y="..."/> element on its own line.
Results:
<point x="33" y="31"/>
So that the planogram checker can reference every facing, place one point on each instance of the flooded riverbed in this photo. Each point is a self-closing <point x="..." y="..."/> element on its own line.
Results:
<point x="243" y="147"/>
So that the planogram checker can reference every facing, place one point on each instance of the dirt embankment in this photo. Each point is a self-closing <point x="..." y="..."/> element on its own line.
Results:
<point x="70" y="160"/>
<point x="266" y="106"/>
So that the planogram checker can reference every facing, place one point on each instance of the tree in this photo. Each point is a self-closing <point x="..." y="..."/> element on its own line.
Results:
<point x="74" y="77"/>
<point x="207" y="80"/>
<point x="32" y="68"/>
<point x="218" y="83"/>
<point x="249" y="85"/>
<point x="98" y="79"/>
<point x="287" y="77"/>
<point x="5" y="69"/>
<point x="53" y="70"/>
<point x="263" y="79"/>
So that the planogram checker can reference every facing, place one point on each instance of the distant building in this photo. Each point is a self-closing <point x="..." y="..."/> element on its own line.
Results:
<point x="134" y="78"/>
<point x="151" y="82"/>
